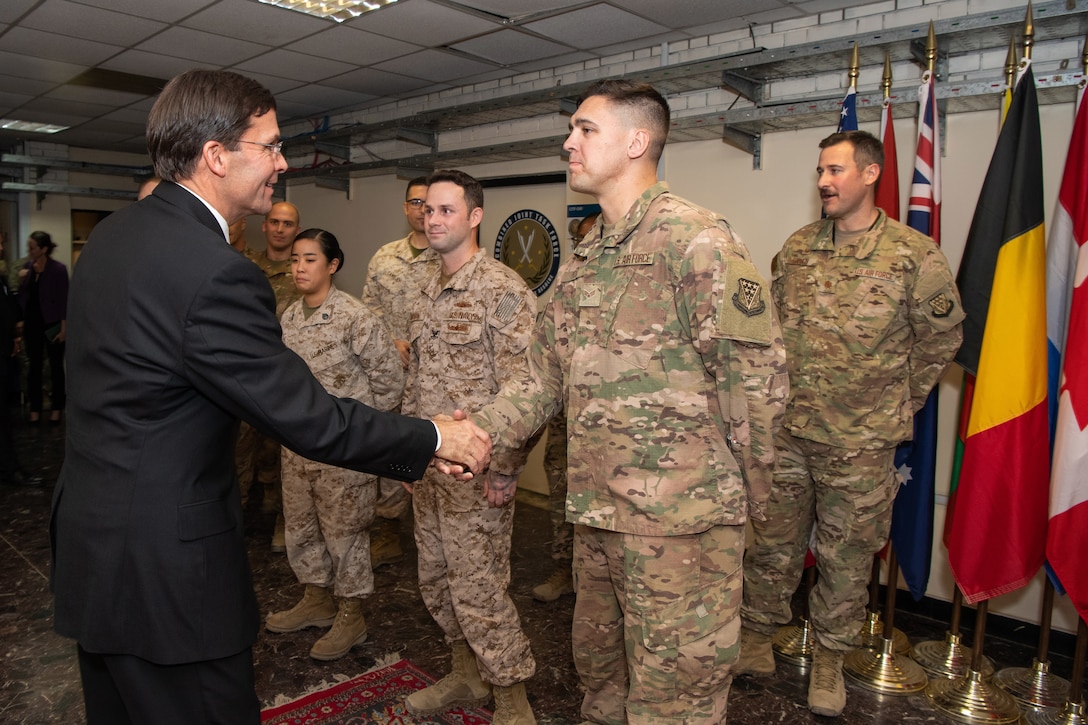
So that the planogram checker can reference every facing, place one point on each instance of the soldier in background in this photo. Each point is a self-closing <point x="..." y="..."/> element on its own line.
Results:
<point x="328" y="510"/>
<point x="469" y="330"/>
<point x="661" y="344"/>
<point x="871" y="319"/>
<point x="257" y="457"/>
<point x="395" y="276"/>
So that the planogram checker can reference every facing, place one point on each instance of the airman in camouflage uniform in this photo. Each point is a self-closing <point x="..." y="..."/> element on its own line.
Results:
<point x="560" y="582"/>
<point x="257" y="456"/>
<point x="469" y="330"/>
<point x="395" y="276"/>
<point x="662" y="347"/>
<point x="871" y="319"/>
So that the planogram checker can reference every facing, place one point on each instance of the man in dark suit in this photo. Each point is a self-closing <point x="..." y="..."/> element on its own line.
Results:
<point x="173" y="338"/>
<point x="10" y="339"/>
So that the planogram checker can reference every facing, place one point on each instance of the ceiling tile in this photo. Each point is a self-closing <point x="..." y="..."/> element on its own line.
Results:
<point x="435" y="65"/>
<point x="127" y="115"/>
<point x="351" y="45"/>
<point x="696" y="12"/>
<point x="276" y="84"/>
<point x="515" y="9"/>
<point x="168" y="12"/>
<point x="290" y="64"/>
<point x="39" y="44"/>
<point x="22" y="84"/>
<point x="375" y="82"/>
<point x="151" y="64"/>
<point x="595" y="26"/>
<point x="649" y="42"/>
<point x="554" y="61"/>
<point x="510" y="46"/>
<point x="27" y="66"/>
<point x="208" y="48"/>
<point x="90" y="23"/>
<point x="12" y="100"/>
<point x="90" y="94"/>
<point x="423" y="22"/>
<point x="257" y="22"/>
<point x="314" y="94"/>
<point x="54" y="105"/>
<point x="12" y="10"/>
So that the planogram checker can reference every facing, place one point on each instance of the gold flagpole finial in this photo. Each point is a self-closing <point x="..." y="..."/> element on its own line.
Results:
<point x="931" y="50"/>
<point x="886" y="80"/>
<point x="855" y="66"/>
<point x="1010" y="64"/>
<point x="1029" y="33"/>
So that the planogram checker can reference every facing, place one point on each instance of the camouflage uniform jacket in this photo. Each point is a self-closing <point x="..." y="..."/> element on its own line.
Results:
<point x="468" y="338"/>
<point x="279" y="276"/>
<point x="348" y="350"/>
<point x="394" y="278"/>
<point x="661" y="342"/>
<point x="870" y="327"/>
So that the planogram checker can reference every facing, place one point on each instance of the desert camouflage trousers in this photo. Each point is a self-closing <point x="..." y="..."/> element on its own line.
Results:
<point x="843" y="495"/>
<point x="555" y="469"/>
<point x="257" y="462"/>
<point x="327" y="513"/>
<point x="656" y="630"/>
<point x="464" y="572"/>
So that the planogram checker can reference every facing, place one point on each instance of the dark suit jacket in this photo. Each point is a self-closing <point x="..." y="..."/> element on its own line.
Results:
<point x="172" y="337"/>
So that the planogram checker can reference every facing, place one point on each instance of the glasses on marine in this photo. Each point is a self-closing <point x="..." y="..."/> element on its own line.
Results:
<point x="414" y="202"/>
<point x="273" y="148"/>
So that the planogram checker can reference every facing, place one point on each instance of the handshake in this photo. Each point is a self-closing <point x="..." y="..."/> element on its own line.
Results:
<point x="466" y="447"/>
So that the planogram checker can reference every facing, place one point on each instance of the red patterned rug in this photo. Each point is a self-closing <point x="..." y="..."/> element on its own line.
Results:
<point x="375" y="697"/>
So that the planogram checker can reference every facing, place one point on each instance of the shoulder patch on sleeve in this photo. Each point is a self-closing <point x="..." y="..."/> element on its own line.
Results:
<point x="743" y="310"/>
<point x="508" y="307"/>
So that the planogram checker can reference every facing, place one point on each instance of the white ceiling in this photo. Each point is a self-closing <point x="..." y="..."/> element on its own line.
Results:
<point x="313" y="66"/>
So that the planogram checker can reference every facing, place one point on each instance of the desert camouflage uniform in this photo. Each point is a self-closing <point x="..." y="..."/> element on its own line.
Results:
<point x="468" y="337"/>
<point x="662" y="346"/>
<point x="255" y="455"/>
<point x="394" y="279"/>
<point x="555" y="470"/>
<point x="870" y="326"/>
<point x="328" y="509"/>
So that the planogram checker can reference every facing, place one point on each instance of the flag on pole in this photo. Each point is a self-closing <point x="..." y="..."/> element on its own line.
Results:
<point x="1067" y="330"/>
<point x="887" y="186"/>
<point x="997" y="535"/>
<point x="916" y="460"/>
<point x="848" y="116"/>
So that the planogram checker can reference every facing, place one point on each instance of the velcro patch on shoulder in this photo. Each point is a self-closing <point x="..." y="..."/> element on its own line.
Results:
<point x="744" y="308"/>
<point x="508" y="307"/>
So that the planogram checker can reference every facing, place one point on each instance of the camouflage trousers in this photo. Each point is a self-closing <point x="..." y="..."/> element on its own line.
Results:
<point x="555" y="469"/>
<point x="656" y="630"/>
<point x="845" y="496"/>
<point x="393" y="499"/>
<point x="464" y="572"/>
<point x="327" y="513"/>
<point x="257" y="459"/>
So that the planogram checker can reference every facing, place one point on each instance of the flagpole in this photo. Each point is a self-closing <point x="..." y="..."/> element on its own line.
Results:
<point x="1037" y="686"/>
<point x="1073" y="713"/>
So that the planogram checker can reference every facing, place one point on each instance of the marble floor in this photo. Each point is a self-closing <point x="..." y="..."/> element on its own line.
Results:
<point x="39" y="678"/>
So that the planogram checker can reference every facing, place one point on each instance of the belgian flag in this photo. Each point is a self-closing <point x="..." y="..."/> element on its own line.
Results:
<point x="997" y="517"/>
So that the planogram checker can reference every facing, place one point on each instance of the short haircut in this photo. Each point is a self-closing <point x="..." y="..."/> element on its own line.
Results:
<point x="418" y="181"/>
<point x="648" y="108"/>
<point x="200" y="106"/>
<point x="474" y="192"/>
<point x="330" y="246"/>
<point x="867" y="148"/>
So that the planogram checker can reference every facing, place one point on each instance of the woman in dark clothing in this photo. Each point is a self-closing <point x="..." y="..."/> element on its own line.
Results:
<point x="43" y="295"/>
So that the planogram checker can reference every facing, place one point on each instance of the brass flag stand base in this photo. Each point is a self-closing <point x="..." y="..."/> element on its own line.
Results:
<point x="1073" y="713"/>
<point x="872" y="632"/>
<point x="973" y="698"/>
<point x="1034" y="686"/>
<point x="793" y="643"/>
<point x="884" y="670"/>
<point x="948" y="658"/>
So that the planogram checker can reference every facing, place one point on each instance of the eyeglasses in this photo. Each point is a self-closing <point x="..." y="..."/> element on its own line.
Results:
<point x="415" y="202"/>
<point x="273" y="148"/>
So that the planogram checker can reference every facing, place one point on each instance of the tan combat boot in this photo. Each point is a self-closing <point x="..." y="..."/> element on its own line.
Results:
<point x="559" y="583"/>
<point x="348" y="630"/>
<point x="826" y="689"/>
<point x="512" y="707"/>
<point x="462" y="687"/>
<point x="315" y="609"/>
<point x="385" y="543"/>
<point x="756" y="655"/>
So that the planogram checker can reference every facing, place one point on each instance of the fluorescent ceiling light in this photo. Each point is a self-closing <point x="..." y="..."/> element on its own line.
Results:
<point x="338" y="10"/>
<point x="11" y="124"/>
